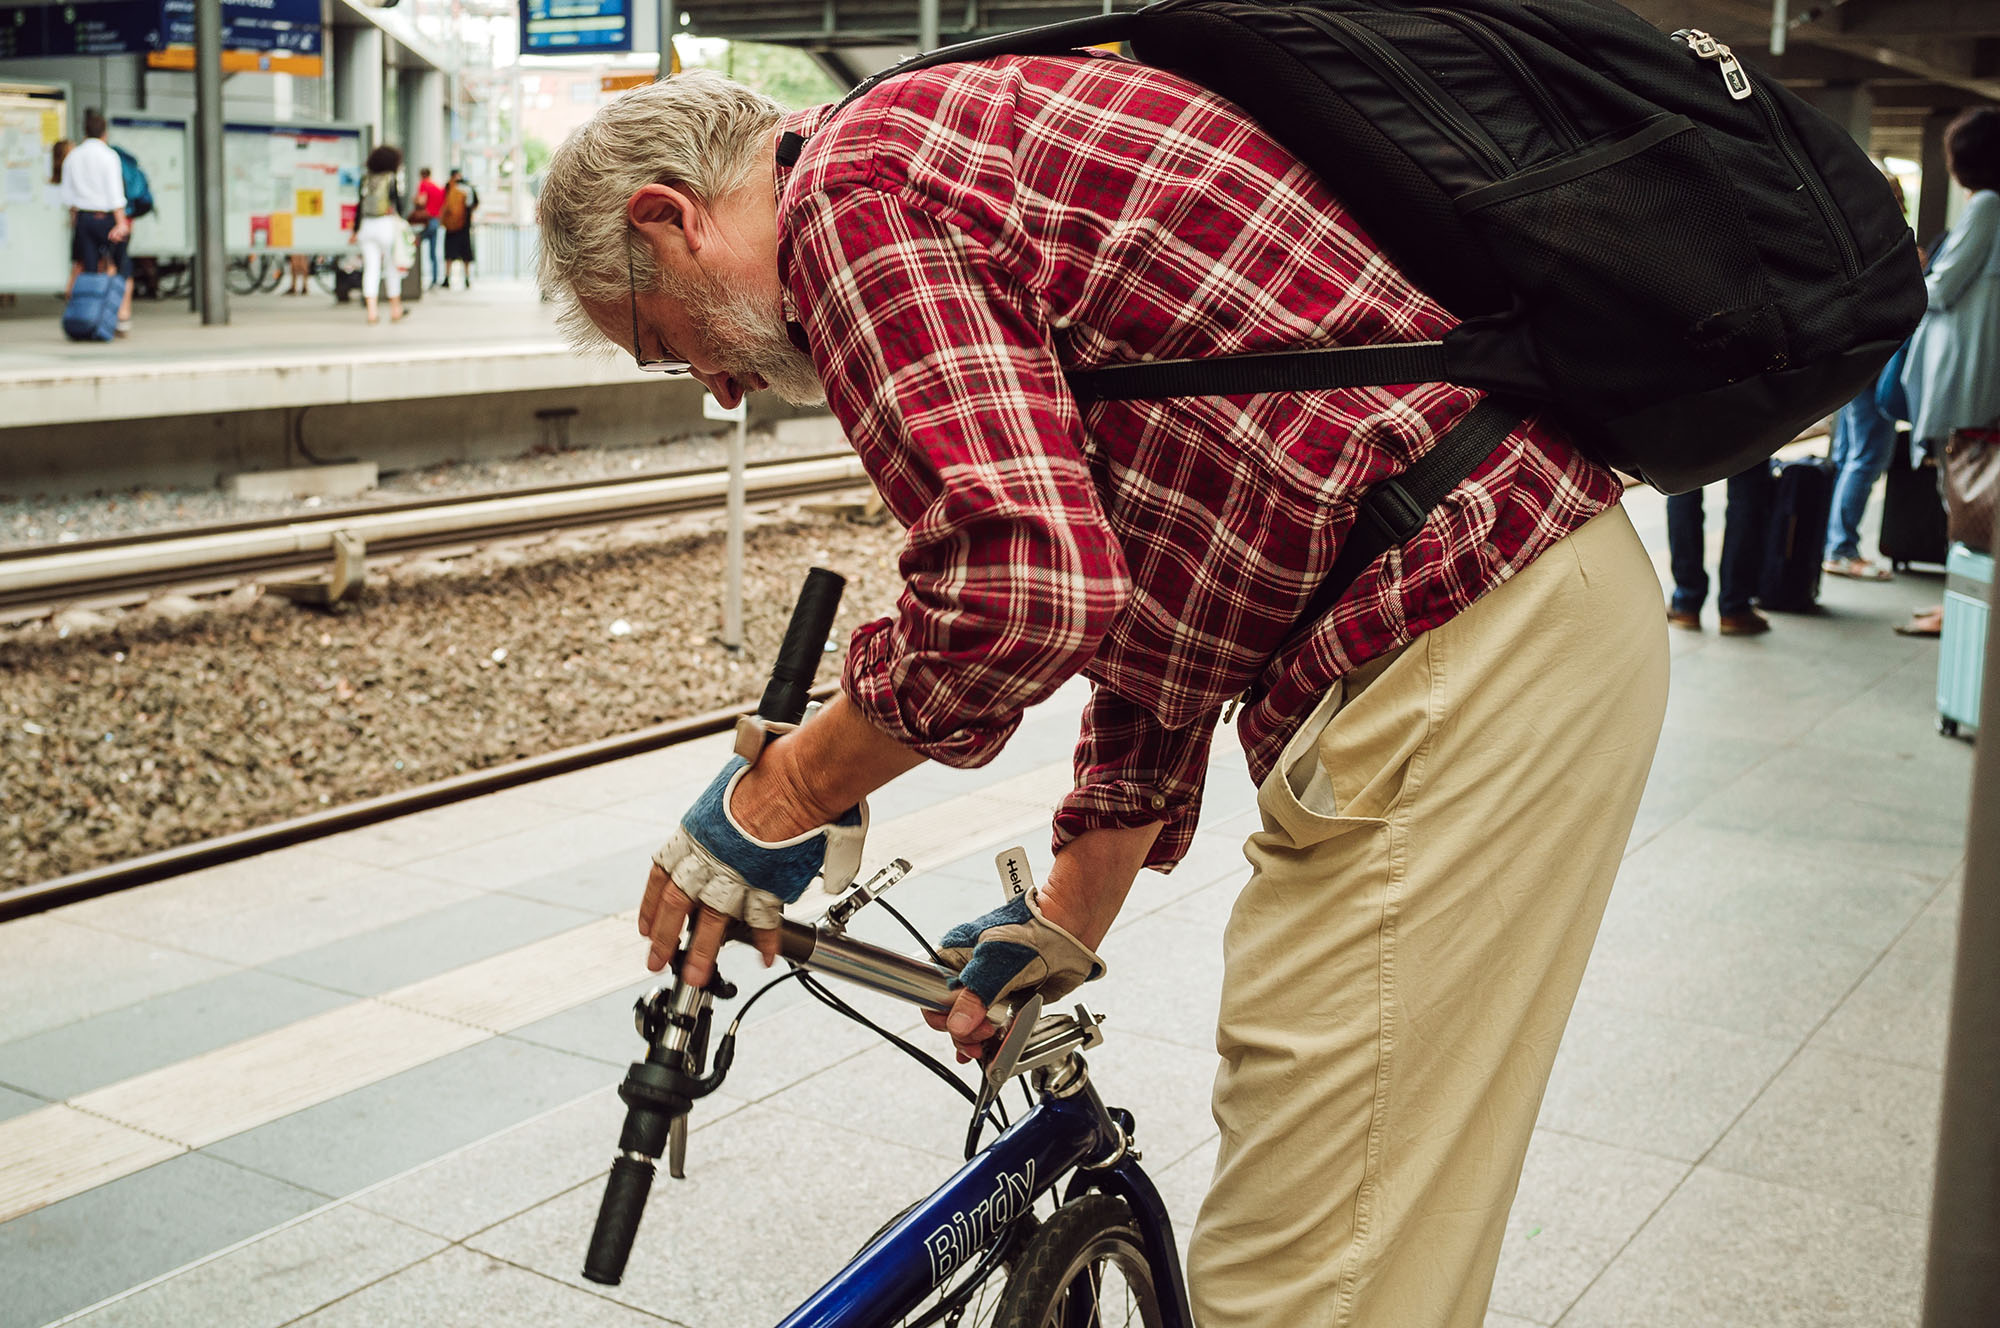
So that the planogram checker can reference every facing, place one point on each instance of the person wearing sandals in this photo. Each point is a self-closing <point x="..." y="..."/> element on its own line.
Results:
<point x="378" y="224"/>
<point x="1949" y="376"/>
<point x="1862" y="438"/>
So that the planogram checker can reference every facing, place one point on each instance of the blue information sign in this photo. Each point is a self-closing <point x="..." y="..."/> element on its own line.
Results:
<point x="131" y="27"/>
<point x="251" y="25"/>
<point x="572" y="27"/>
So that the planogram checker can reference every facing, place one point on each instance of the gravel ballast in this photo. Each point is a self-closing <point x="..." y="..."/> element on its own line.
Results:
<point x="182" y="722"/>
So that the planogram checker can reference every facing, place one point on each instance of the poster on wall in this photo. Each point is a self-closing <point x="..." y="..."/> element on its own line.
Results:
<point x="289" y="186"/>
<point x="34" y="225"/>
<point x="160" y="145"/>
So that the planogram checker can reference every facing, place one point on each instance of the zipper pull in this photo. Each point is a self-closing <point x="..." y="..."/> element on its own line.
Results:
<point x="1705" y="47"/>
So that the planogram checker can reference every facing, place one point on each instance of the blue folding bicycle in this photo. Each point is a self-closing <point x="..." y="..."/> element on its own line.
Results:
<point x="975" y="1252"/>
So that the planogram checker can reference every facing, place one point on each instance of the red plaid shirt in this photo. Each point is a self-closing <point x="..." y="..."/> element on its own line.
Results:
<point x="953" y="241"/>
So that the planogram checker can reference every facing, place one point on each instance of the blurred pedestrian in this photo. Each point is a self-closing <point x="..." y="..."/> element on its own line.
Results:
<point x="93" y="188"/>
<point x="1863" y="437"/>
<point x="301" y="268"/>
<point x="57" y="153"/>
<point x="1949" y="376"/>
<point x="378" y="225"/>
<point x="461" y="201"/>
<point x="430" y="197"/>
<point x="1745" y="526"/>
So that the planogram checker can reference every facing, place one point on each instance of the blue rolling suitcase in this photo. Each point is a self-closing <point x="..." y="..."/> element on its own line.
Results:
<point x="92" y="311"/>
<point x="1968" y="589"/>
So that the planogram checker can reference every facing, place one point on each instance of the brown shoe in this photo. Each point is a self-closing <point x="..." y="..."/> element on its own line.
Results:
<point x="1687" y="622"/>
<point x="1747" y="623"/>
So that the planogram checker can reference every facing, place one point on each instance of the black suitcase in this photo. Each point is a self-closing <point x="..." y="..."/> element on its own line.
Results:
<point x="1801" y="501"/>
<point x="1913" y="517"/>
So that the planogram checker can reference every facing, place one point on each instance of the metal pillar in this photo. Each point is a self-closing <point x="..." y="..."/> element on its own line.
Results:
<point x="732" y="593"/>
<point x="670" y="23"/>
<point x="1934" y="194"/>
<point x="209" y="260"/>
<point x="927" y="25"/>
<point x="1962" y="1277"/>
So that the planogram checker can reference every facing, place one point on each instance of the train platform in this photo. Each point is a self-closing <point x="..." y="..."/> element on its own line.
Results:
<point x="280" y="352"/>
<point x="369" y="1080"/>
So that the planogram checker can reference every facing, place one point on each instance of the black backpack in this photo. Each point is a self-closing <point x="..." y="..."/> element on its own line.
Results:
<point x="1679" y="258"/>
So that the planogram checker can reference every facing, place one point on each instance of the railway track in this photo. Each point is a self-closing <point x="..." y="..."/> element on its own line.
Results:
<point x="37" y="579"/>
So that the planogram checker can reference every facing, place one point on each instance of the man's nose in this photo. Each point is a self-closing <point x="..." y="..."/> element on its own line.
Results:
<point x="720" y="386"/>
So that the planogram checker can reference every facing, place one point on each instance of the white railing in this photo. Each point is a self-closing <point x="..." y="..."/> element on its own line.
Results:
<point x="504" y="250"/>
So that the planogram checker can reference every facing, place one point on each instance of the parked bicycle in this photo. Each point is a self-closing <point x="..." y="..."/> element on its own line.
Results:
<point x="976" y="1251"/>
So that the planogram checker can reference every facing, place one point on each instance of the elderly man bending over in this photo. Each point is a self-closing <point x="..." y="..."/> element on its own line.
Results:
<point x="1449" y="760"/>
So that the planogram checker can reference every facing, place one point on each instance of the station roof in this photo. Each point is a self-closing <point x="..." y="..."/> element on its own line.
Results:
<point x="1912" y="56"/>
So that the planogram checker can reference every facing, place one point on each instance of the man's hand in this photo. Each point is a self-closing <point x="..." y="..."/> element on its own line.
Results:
<point x="744" y="850"/>
<point x="119" y="230"/>
<point x="1071" y="916"/>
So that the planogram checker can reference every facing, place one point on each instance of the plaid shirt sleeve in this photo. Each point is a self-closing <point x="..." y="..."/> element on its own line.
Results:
<point x="953" y="397"/>
<point x="1132" y="770"/>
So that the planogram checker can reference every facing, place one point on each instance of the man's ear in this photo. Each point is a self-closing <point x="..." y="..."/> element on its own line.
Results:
<point x="667" y="214"/>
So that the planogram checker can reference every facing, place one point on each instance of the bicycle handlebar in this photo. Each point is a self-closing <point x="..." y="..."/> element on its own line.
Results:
<point x="880" y="970"/>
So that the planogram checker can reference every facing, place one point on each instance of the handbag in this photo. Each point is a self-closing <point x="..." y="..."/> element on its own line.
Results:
<point x="1971" y="481"/>
<point x="406" y="247"/>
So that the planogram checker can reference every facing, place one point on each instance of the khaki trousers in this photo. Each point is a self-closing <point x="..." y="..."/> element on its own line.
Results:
<point x="1438" y="844"/>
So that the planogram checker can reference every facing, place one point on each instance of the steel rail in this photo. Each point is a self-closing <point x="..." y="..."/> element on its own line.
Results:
<point x="133" y="539"/>
<point x="171" y="862"/>
<point x="145" y="562"/>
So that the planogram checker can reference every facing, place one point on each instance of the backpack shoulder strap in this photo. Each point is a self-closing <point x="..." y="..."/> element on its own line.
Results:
<point x="1392" y="512"/>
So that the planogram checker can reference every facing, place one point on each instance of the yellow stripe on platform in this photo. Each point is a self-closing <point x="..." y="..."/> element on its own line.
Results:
<point x="62" y="1150"/>
<point x="57" y="1151"/>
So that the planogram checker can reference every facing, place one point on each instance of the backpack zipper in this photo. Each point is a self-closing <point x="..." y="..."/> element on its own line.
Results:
<point x="1389" y="64"/>
<point x="1737" y="80"/>
<point x="1504" y="54"/>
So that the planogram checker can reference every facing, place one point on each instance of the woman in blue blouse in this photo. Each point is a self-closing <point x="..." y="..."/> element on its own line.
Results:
<point x="1952" y="375"/>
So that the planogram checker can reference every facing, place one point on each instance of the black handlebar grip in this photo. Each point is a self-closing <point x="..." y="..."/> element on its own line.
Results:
<point x="618" y="1216"/>
<point x="805" y="641"/>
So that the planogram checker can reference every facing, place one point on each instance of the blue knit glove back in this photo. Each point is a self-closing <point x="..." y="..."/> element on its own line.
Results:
<point x="1015" y="948"/>
<point x="719" y="865"/>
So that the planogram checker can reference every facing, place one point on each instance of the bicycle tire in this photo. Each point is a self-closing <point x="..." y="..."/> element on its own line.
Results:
<point x="326" y="274"/>
<point x="275" y="271"/>
<point x="245" y="275"/>
<point x="1067" y="1272"/>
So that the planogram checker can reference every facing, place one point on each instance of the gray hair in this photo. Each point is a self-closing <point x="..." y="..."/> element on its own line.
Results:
<point x="697" y="129"/>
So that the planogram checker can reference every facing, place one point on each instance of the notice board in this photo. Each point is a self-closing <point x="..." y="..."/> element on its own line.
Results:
<point x="161" y="146"/>
<point x="34" y="225"/>
<point x="290" y="186"/>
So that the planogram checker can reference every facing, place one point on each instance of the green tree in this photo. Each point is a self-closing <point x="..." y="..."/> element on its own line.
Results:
<point x="534" y="154"/>
<point x="785" y="74"/>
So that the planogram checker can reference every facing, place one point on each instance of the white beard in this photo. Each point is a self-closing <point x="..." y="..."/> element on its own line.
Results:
<point x="749" y="337"/>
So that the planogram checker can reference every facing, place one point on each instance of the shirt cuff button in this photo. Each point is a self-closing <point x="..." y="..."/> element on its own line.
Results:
<point x="1159" y="801"/>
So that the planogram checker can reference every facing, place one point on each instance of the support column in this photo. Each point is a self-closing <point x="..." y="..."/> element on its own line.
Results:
<point x="670" y="26"/>
<point x="357" y="88"/>
<point x="928" y="25"/>
<point x="1849" y="105"/>
<point x="423" y="116"/>
<point x="208" y="214"/>
<point x="1934" y="195"/>
<point x="1961" y="1289"/>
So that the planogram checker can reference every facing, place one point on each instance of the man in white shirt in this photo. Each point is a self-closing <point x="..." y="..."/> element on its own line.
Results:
<point x="93" y="185"/>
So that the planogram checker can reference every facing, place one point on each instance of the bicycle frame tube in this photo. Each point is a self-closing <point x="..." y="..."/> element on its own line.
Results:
<point x="950" y="1228"/>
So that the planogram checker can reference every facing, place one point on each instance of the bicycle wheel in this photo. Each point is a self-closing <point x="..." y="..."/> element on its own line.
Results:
<point x="326" y="274"/>
<point x="1085" y="1268"/>
<point x="246" y="274"/>
<point x="275" y="272"/>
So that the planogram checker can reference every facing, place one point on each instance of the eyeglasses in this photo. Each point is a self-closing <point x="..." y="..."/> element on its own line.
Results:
<point x="671" y="368"/>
